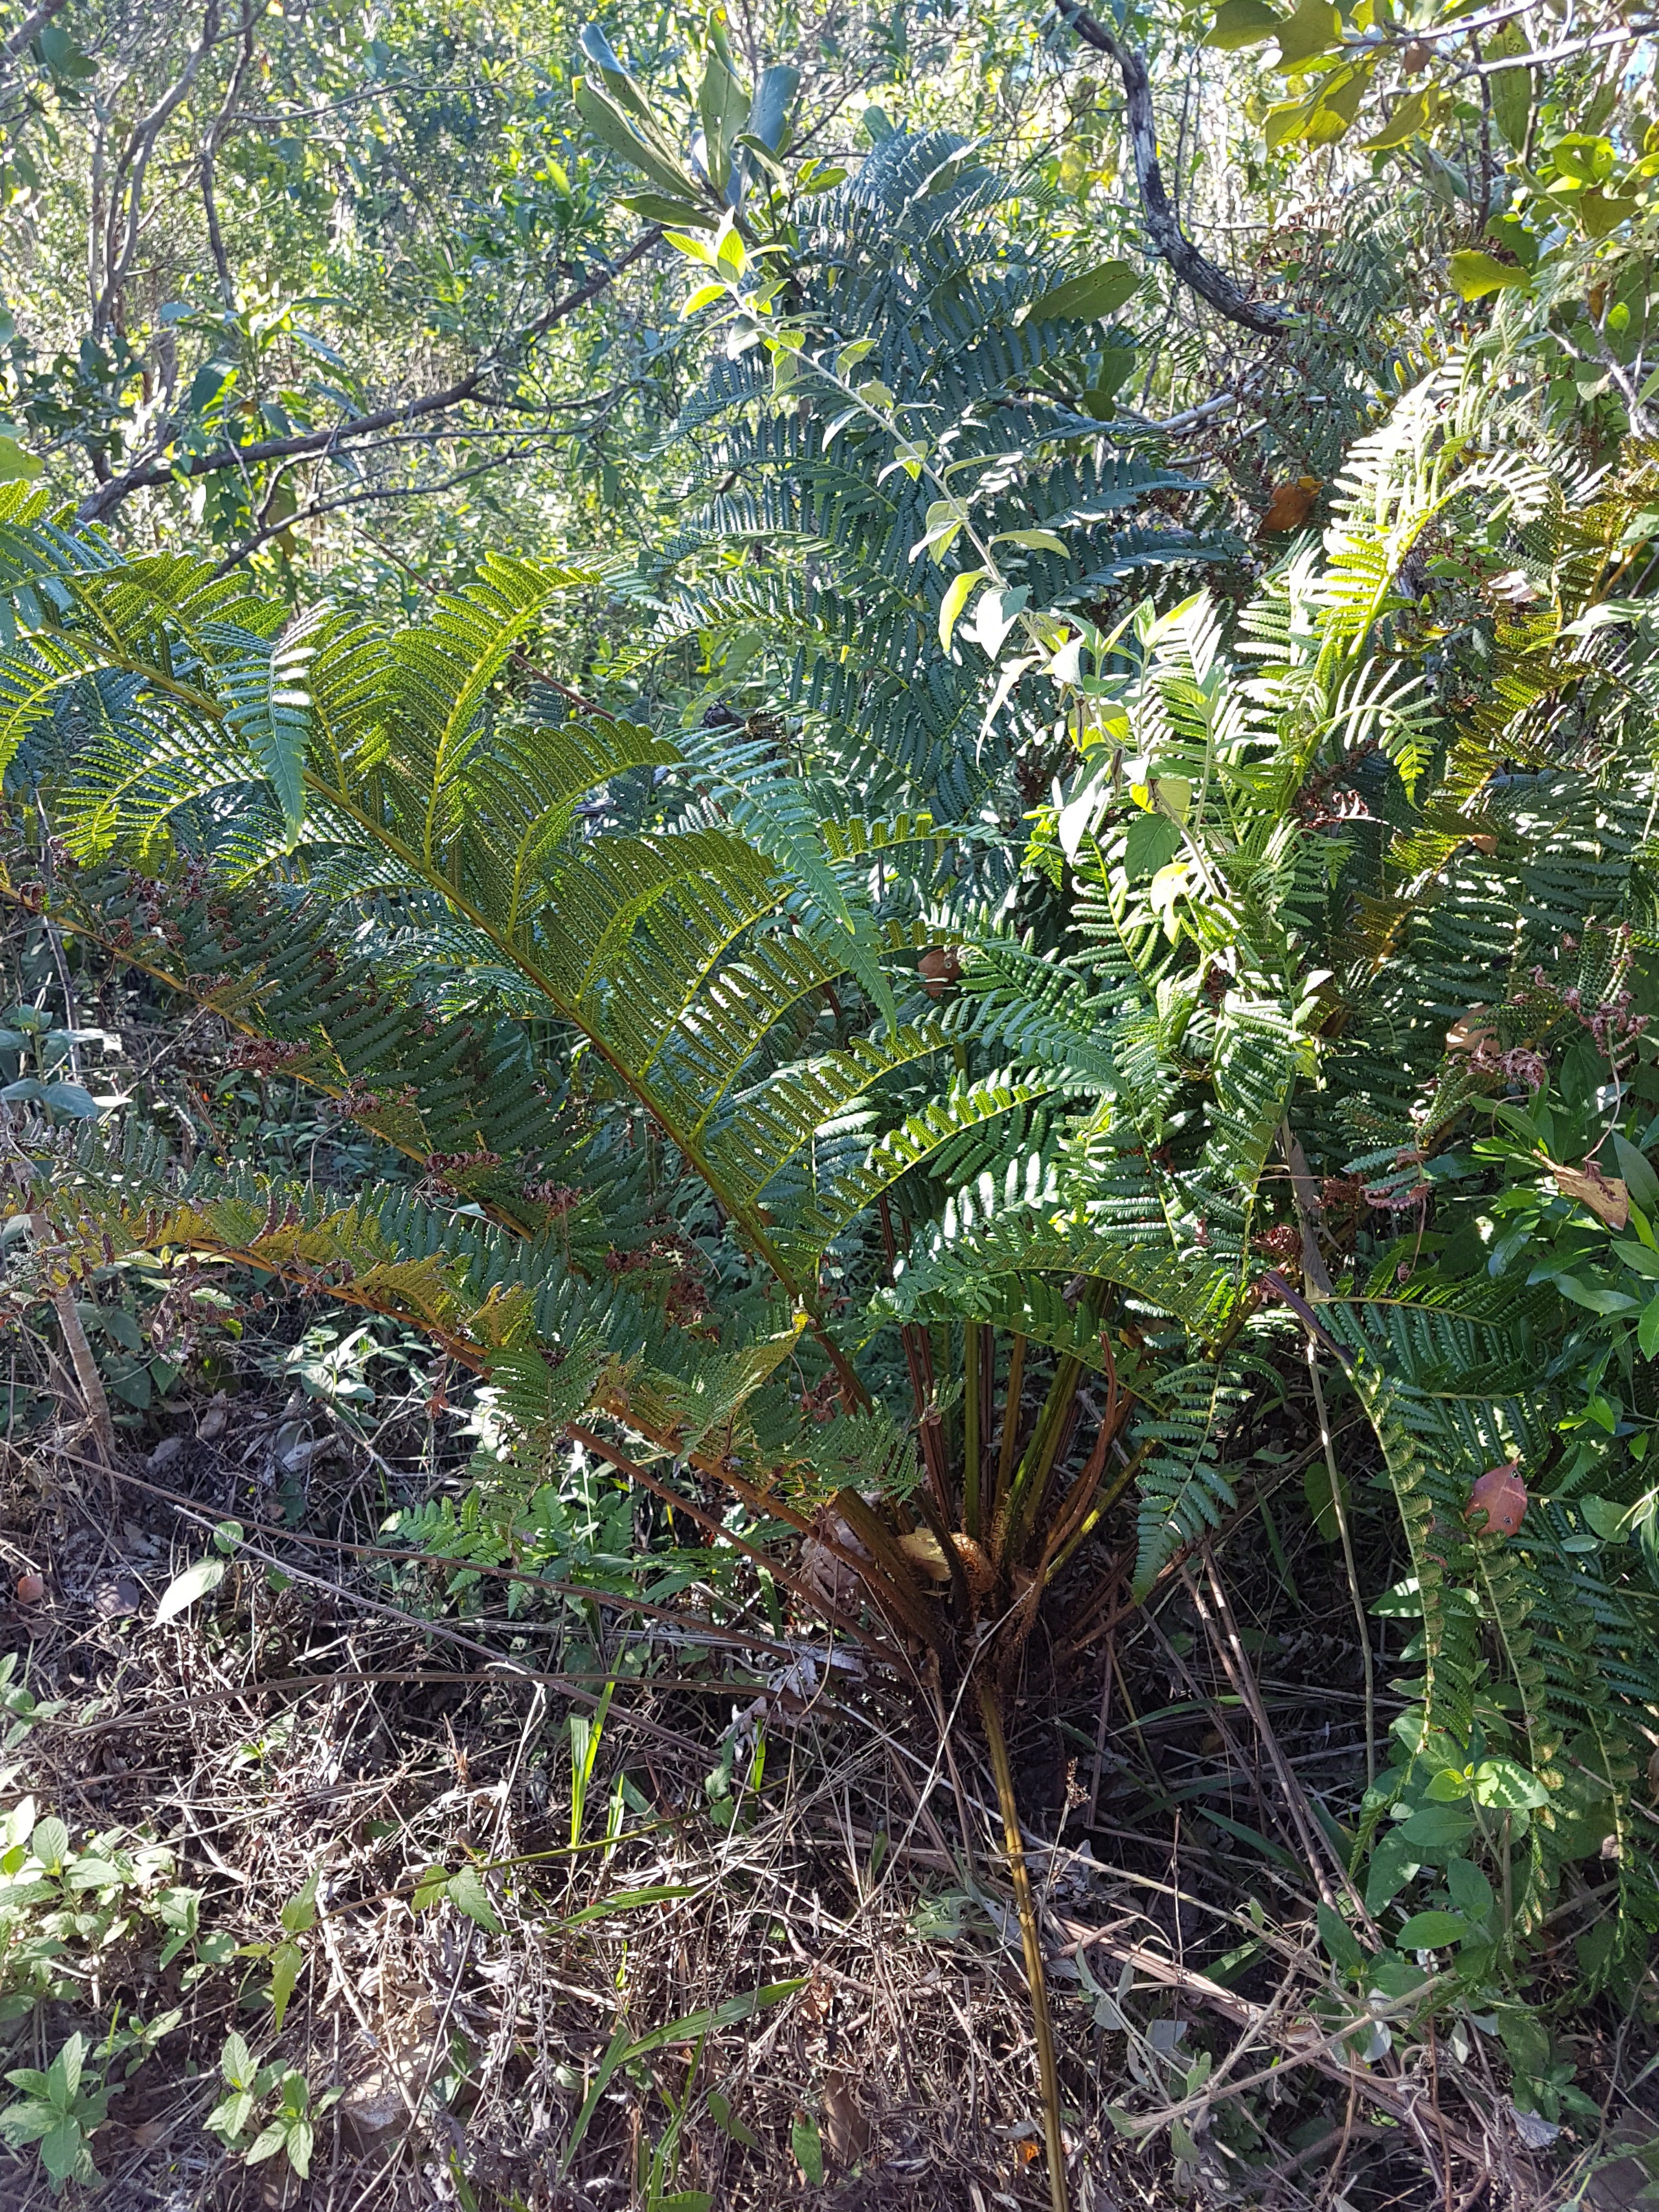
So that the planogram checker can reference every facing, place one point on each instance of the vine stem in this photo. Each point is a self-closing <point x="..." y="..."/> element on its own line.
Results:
<point x="990" y="1713"/>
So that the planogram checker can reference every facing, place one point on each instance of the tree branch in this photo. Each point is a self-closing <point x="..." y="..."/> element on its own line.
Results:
<point x="1168" y="239"/>
<point x="217" y="131"/>
<point x="29" y="29"/>
<point x="148" y="474"/>
<point x="128" y="178"/>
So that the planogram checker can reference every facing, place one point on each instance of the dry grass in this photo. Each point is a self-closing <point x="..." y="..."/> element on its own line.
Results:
<point x="326" y="1726"/>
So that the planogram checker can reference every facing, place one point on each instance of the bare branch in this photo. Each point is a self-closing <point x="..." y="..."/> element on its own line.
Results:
<point x="219" y="126"/>
<point x="127" y="185"/>
<point x="265" y="529"/>
<point x="148" y="474"/>
<point x="1169" y="240"/>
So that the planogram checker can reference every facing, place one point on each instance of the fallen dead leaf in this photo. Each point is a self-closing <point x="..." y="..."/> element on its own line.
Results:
<point x="849" y="2131"/>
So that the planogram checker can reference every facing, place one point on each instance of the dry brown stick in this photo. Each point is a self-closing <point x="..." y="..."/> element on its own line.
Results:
<point x="1223" y="1630"/>
<point x="1315" y="2047"/>
<point x="716" y="1630"/>
<point x="204" y="1700"/>
<point x="509" y="1668"/>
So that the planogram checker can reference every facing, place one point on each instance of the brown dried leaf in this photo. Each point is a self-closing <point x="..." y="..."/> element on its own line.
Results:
<point x="1501" y="1494"/>
<point x="1290" y="506"/>
<point x="1605" y="1195"/>
<point x="849" y="2132"/>
<point x="925" y="1553"/>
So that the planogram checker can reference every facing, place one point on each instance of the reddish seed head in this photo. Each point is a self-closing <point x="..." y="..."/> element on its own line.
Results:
<point x="1502" y="1496"/>
<point x="30" y="1589"/>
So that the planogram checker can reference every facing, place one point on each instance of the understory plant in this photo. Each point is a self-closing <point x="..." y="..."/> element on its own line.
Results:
<point x="1214" y="985"/>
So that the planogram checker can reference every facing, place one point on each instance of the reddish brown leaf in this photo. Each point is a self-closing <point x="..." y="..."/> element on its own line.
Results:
<point x="1501" y="1496"/>
<point x="1290" y="506"/>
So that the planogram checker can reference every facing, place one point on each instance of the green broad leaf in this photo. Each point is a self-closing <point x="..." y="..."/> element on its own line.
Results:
<point x="50" y="1844"/>
<point x="1393" y="1863"/>
<point x="656" y="207"/>
<point x="1432" y="1827"/>
<point x="1471" y="1893"/>
<point x="956" y="598"/>
<point x="466" y="1892"/>
<point x="1601" y="213"/>
<point x="18" y="466"/>
<point x="1511" y="90"/>
<point x="431" y="1886"/>
<point x="183" y="1591"/>
<point x="62" y="2148"/>
<point x="1089" y="298"/>
<point x="1647" y="1329"/>
<point x="1411" y="117"/>
<point x="1608" y="1520"/>
<point x="768" y="122"/>
<point x="236" y="2062"/>
<point x="808" y="2147"/>
<point x="1150" y="842"/>
<point x="994" y="617"/>
<point x="286" y="1961"/>
<point x="1448" y="1787"/>
<point x="722" y="106"/>
<point x="270" y="2139"/>
<point x="719" y="2111"/>
<point x="301" y="2138"/>
<point x="72" y="1099"/>
<point x="63" y="2075"/>
<point x="1403" y="1601"/>
<point x="116" y="1321"/>
<point x="1034" y="540"/>
<point x="1432" y="1931"/>
<point x="95" y="1873"/>
<point x="1505" y="1784"/>
<point x="1595" y="1298"/>
<point x="1312" y="31"/>
<point x="1324" y="114"/>
<point x="1240" y="23"/>
<point x="300" y="1914"/>
<point x="1342" y="1947"/>
<point x="1635" y="1173"/>
<point x="1473" y="274"/>
<point x="605" y="118"/>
